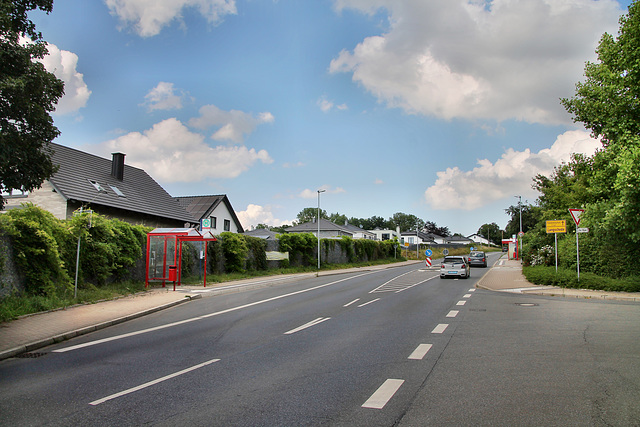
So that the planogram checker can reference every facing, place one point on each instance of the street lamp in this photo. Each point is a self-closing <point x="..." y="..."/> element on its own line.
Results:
<point x="318" y="220"/>
<point x="520" y="234"/>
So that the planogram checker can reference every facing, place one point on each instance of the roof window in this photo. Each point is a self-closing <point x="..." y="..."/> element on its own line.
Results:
<point x="117" y="191"/>
<point x="97" y="186"/>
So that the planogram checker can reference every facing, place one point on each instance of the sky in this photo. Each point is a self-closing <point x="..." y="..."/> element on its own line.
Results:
<point x="441" y="109"/>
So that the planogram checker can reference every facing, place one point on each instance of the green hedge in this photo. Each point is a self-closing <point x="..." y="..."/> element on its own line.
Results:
<point x="565" y="278"/>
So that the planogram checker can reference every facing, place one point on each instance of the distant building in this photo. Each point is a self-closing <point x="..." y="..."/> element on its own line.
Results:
<point x="328" y="230"/>
<point x="479" y="239"/>
<point x="383" y="235"/>
<point x="458" y="240"/>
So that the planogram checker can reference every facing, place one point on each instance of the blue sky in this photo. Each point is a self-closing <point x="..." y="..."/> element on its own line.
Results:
<point x="444" y="110"/>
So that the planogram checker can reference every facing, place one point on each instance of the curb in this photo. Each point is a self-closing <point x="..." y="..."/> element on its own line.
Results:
<point x="6" y="354"/>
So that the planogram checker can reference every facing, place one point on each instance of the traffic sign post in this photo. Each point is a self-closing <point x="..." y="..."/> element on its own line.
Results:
<point x="428" y="262"/>
<point x="555" y="227"/>
<point x="576" y="214"/>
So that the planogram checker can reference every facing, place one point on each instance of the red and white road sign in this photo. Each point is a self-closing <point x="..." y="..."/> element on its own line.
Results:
<point x="428" y="262"/>
<point x="575" y="214"/>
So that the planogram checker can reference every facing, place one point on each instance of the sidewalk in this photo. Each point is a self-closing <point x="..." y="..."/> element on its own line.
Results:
<point x="506" y="275"/>
<point x="32" y="332"/>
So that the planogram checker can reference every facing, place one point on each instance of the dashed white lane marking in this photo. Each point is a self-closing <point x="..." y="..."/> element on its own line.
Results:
<point x="369" y="302"/>
<point x="461" y="303"/>
<point x="352" y="302"/>
<point x="472" y="290"/>
<point x="150" y="383"/>
<point x="308" y="325"/>
<point x="452" y="313"/>
<point x="386" y="391"/>
<point x="205" y="316"/>
<point x="440" y="328"/>
<point x="467" y="296"/>
<point x="420" y="352"/>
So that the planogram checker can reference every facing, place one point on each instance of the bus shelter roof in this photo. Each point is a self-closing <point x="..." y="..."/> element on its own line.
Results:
<point x="184" y="233"/>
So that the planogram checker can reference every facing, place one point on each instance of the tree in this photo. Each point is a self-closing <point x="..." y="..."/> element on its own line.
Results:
<point x="492" y="232"/>
<point x="432" y="227"/>
<point x="530" y="218"/>
<point x="406" y="222"/>
<point x="310" y="214"/>
<point x="338" y="218"/>
<point x="28" y="93"/>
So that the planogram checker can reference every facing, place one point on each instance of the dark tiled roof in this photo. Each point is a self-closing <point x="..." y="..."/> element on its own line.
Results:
<point x="142" y="194"/>
<point x="308" y="227"/>
<point x="201" y="207"/>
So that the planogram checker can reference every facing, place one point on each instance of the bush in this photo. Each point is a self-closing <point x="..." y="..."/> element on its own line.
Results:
<point x="566" y="278"/>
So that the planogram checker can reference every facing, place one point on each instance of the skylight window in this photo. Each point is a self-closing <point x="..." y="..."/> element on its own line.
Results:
<point x="97" y="186"/>
<point x="117" y="191"/>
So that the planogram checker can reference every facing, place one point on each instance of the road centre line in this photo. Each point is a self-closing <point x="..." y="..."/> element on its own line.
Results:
<point x="452" y="313"/>
<point x="193" y="319"/>
<point x="352" y="302"/>
<point x="381" y="396"/>
<point x="307" y="325"/>
<point x="420" y="352"/>
<point x="440" y="328"/>
<point x="472" y="290"/>
<point x="461" y="303"/>
<point x="467" y="296"/>
<point x="150" y="383"/>
<point x="369" y="302"/>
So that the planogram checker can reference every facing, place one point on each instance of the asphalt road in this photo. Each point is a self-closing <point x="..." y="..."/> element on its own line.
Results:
<point x="394" y="347"/>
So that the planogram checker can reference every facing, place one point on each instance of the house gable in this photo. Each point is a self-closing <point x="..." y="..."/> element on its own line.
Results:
<point x="215" y="207"/>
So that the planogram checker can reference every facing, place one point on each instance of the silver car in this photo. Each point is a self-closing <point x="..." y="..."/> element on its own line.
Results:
<point x="455" y="266"/>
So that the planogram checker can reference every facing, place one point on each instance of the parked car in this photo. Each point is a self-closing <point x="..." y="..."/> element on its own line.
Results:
<point x="455" y="266"/>
<point x="478" y="258"/>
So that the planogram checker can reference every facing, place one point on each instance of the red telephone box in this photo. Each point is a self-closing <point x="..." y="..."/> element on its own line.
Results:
<point x="164" y="253"/>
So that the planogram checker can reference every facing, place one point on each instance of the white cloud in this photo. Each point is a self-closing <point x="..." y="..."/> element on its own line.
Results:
<point x="378" y="181"/>
<point x="62" y="64"/>
<point x="498" y="60"/>
<point x="256" y="214"/>
<point x="232" y="125"/>
<point x="326" y="105"/>
<point x="170" y="152"/>
<point x="163" y="97"/>
<point x="511" y="174"/>
<point x="310" y="194"/>
<point x="148" y="17"/>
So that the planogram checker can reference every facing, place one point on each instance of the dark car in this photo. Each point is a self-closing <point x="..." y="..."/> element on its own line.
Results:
<point x="478" y="258"/>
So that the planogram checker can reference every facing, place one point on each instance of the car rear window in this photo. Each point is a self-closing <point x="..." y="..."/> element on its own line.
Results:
<point x="453" y="260"/>
<point x="477" y="254"/>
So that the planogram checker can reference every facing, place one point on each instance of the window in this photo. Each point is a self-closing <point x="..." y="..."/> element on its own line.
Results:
<point x="14" y="194"/>
<point x="385" y="236"/>
<point x="227" y="225"/>
<point x="213" y="222"/>
<point x="116" y="190"/>
<point x="97" y="186"/>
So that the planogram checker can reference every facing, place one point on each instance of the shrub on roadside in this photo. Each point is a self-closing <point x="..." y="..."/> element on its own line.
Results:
<point x="566" y="278"/>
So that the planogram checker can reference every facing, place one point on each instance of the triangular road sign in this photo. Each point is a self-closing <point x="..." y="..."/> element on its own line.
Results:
<point x="575" y="214"/>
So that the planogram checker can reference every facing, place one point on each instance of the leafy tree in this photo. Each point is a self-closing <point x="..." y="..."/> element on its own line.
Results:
<point x="432" y="227"/>
<point x="310" y="214"/>
<point x="492" y="232"/>
<point x="405" y="221"/>
<point x="28" y="93"/>
<point x="530" y="218"/>
<point x="337" y="218"/>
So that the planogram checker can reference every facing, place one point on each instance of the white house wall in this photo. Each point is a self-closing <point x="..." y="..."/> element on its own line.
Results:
<point x="221" y="213"/>
<point x="45" y="197"/>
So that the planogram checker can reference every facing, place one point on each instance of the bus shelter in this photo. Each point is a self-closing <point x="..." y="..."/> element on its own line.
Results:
<point x="164" y="253"/>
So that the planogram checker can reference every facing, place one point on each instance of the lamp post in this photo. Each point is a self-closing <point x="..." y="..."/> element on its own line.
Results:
<point x="318" y="220"/>
<point x="520" y="234"/>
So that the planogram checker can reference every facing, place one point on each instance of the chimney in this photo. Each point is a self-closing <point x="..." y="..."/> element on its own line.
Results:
<point x="117" y="166"/>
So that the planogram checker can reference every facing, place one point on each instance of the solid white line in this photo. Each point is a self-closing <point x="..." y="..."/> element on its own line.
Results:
<point x="461" y="303"/>
<point x="452" y="313"/>
<point x="420" y="352"/>
<point x="467" y="296"/>
<point x="352" y="302"/>
<point x="307" y="325"/>
<point x="150" y="383"/>
<point x="193" y="319"/>
<point x="369" y="302"/>
<point x="383" y="394"/>
<point x="403" y="274"/>
<point x="440" y="328"/>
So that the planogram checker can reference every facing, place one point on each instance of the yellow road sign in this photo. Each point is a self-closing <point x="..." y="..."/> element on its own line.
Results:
<point x="557" y="226"/>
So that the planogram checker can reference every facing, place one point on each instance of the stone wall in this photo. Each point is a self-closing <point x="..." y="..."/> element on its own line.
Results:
<point x="10" y="277"/>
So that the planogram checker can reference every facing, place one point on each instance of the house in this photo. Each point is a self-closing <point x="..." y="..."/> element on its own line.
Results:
<point x="328" y="230"/>
<point x="458" y="240"/>
<point x="382" y="235"/>
<point x="108" y="187"/>
<point x="479" y="239"/>
<point x="215" y="208"/>
<point x="261" y="233"/>
<point x="422" y="238"/>
<point x="359" y="233"/>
